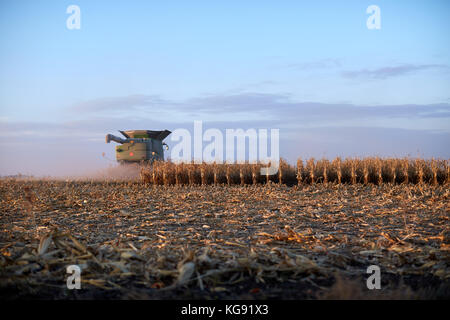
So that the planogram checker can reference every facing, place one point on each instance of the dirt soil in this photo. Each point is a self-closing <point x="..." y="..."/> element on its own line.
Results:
<point x="133" y="241"/>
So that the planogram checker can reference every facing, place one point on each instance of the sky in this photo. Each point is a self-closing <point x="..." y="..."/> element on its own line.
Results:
<point x="309" y="68"/>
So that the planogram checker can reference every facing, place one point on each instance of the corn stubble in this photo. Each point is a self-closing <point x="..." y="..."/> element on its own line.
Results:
<point x="348" y="171"/>
<point x="221" y="242"/>
<point x="206" y="230"/>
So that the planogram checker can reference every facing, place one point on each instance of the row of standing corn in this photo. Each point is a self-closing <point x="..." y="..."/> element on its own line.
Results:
<point x="349" y="171"/>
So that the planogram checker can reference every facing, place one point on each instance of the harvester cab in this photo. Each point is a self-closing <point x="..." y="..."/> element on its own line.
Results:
<point x="139" y="145"/>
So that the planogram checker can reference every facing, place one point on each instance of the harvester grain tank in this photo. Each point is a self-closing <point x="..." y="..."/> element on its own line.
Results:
<point x="139" y="145"/>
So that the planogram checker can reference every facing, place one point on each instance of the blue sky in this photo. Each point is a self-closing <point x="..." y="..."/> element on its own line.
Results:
<point x="310" y="68"/>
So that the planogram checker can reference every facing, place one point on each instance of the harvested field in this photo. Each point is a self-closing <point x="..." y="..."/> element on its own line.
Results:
<point x="259" y="241"/>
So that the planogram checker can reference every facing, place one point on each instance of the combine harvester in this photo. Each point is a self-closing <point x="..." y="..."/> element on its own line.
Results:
<point x="140" y="146"/>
